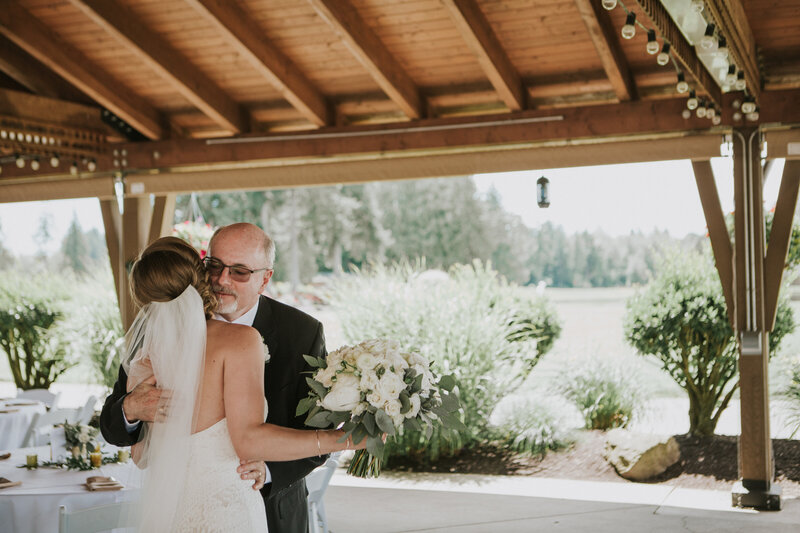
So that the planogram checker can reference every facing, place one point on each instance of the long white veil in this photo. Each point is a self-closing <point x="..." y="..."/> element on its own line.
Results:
<point x="172" y="335"/>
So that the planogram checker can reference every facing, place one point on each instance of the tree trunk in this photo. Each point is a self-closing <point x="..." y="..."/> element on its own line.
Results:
<point x="701" y="416"/>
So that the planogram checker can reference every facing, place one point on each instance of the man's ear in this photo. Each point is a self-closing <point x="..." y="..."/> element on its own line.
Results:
<point x="265" y="282"/>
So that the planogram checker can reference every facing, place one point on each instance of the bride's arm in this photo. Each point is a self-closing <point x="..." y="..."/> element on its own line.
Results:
<point x="243" y="394"/>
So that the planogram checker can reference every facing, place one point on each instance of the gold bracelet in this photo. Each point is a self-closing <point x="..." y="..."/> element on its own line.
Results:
<point x="319" y="448"/>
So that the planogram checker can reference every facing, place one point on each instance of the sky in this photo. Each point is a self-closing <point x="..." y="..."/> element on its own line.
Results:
<point x="616" y="199"/>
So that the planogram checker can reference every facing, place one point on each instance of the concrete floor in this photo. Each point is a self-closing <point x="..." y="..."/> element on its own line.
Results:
<point x="471" y="503"/>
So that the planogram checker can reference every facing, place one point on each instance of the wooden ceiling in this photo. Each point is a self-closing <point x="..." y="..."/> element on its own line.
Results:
<point x="138" y="86"/>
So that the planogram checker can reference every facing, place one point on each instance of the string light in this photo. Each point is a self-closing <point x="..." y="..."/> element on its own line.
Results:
<point x="716" y="120"/>
<point x="681" y="86"/>
<point x="753" y="115"/>
<point x="629" y="29"/>
<point x="730" y="77"/>
<point x="722" y="48"/>
<point x="74" y="168"/>
<point x="663" y="57"/>
<point x="652" y="44"/>
<point x="692" y="102"/>
<point x="20" y="162"/>
<point x="91" y="165"/>
<point x="609" y="4"/>
<point x="35" y="164"/>
<point x="701" y="109"/>
<point x="707" y="41"/>
<point x="686" y="114"/>
<point x="54" y="161"/>
<point x="749" y="105"/>
<point x="740" y="83"/>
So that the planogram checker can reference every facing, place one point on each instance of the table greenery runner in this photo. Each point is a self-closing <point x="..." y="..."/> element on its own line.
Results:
<point x="372" y="389"/>
<point x="80" y="438"/>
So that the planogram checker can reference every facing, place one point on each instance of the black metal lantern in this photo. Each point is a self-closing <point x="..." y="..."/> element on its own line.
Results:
<point x="542" y="194"/>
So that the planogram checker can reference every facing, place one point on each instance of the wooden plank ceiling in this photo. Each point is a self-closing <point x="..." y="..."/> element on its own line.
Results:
<point x="99" y="81"/>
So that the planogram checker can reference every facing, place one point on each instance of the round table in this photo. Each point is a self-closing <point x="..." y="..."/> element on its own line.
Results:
<point x="15" y="419"/>
<point x="32" y="507"/>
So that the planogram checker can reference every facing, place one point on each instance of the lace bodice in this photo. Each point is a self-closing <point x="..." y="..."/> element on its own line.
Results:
<point x="216" y="499"/>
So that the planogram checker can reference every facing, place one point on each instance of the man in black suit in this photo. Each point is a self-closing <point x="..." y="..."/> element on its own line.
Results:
<point x="240" y="261"/>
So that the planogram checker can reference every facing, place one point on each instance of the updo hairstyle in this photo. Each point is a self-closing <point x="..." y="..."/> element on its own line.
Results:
<point x="165" y="269"/>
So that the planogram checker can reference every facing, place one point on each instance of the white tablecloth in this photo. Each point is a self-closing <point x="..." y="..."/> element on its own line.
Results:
<point x="33" y="506"/>
<point x="15" y="419"/>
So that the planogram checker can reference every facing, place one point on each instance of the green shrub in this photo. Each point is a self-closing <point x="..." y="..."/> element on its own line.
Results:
<point x="533" y="424"/>
<point x="792" y="394"/>
<point x="681" y="319"/>
<point x="102" y="338"/>
<point x="469" y="323"/>
<point x="606" y="394"/>
<point x="31" y="332"/>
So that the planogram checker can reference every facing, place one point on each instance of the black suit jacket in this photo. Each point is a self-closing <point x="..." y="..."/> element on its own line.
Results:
<point x="288" y="333"/>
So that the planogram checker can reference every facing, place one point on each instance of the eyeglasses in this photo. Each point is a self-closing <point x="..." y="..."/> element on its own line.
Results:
<point x="240" y="273"/>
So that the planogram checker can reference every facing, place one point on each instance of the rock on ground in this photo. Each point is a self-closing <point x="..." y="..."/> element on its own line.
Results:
<point x="637" y="456"/>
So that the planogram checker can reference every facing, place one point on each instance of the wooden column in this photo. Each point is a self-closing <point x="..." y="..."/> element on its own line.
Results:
<point x="756" y="467"/>
<point x="127" y="233"/>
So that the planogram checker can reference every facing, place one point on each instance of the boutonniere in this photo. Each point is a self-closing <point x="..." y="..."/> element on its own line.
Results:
<point x="266" y="351"/>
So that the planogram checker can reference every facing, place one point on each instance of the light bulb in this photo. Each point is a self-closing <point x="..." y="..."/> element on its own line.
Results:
<point x="692" y="102"/>
<point x="740" y="82"/>
<point x="737" y="116"/>
<point x="701" y="110"/>
<point x="609" y="4"/>
<point x="35" y="164"/>
<point x="74" y="168"/>
<point x="722" y="48"/>
<point x="652" y="44"/>
<point x="753" y="115"/>
<point x="730" y="77"/>
<point x="663" y="57"/>
<point x="716" y="120"/>
<point x="629" y="29"/>
<point x="711" y="112"/>
<point x="707" y="41"/>
<point x="682" y="86"/>
<point x="686" y="114"/>
<point x="20" y="162"/>
<point x="748" y="106"/>
<point x="54" y="161"/>
<point x="697" y="5"/>
<point x="91" y="165"/>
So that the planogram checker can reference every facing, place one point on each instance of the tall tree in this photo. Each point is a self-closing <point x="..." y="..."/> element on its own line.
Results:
<point x="75" y="249"/>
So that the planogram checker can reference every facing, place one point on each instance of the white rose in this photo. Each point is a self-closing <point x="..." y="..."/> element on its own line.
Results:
<point x="390" y="385"/>
<point x="415" y="405"/>
<point x="369" y="381"/>
<point x="392" y="408"/>
<point x="366" y="361"/>
<point x="375" y="399"/>
<point x="325" y="376"/>
<point x="344" y="395"/>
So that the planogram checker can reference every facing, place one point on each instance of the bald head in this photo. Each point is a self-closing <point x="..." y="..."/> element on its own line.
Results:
<point x="247" y="235"/>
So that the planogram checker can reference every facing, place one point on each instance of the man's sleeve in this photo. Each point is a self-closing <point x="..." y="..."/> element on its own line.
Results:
<point x="112" y="421"/>
<point x="285" y="473"/>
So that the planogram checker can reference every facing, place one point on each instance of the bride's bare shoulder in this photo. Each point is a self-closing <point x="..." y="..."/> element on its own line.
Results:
<point x="233" y="337"/>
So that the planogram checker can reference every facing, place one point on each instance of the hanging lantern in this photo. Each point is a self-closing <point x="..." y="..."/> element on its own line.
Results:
<point x="542" y="194"/>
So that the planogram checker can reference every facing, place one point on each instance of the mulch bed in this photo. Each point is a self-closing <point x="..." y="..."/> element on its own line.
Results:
<point x="706" y="463"/>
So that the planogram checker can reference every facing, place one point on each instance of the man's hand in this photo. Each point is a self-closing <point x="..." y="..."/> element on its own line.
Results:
<point x="141" y="403"/>
<point x="255" y="470"/>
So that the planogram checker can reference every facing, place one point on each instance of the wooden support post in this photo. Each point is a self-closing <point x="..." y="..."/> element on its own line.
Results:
<point x="756" y="468"/>
<point x="112" y="220"/>
<point x="717" y="231"/>
<point x="163" y="217"/>
<point x="135" y="232"/>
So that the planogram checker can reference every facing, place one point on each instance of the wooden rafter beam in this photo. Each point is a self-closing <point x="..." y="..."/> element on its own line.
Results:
<point x="239" y="31"/>
<point x="604" y="37"/>
<point x="50" y="110"/>
<point x="717" y="231"/>
<point x="23" y="68"/>
<point x="170" y="64"/>
<point x="481" y="39"/>
<point x="681" y="49"/>
<point x="372" y="54"/>
<point x="779" y="239"/>
<point x="731" y="20"/>
<point x="69" y="63"/>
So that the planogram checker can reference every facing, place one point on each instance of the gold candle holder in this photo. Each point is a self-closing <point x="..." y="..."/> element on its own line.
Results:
<point x="32" y="460"/>
<point x="96" y="458"/>
<point x="123" y="456"/>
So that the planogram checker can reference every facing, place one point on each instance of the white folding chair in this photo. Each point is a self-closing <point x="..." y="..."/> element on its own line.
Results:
<point x="83" y="415"/>
<point x="41" y="424"/>
<point x="317" y="483"/>
<point x="50" y="399"/>
<point x="99" y="518"/>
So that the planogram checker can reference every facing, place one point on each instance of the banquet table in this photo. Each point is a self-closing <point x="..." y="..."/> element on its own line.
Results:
<point x="33" y="506"/>
<point x="15" y="419"/>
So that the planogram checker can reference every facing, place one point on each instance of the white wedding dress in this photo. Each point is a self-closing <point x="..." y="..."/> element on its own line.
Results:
<point x="215" y="498"/>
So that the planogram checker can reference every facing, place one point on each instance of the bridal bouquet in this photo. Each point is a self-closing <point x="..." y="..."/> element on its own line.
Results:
<point x="375" y="388"/>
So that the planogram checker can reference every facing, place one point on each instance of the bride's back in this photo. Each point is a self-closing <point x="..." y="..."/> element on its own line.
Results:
<point x="223" y="342"/>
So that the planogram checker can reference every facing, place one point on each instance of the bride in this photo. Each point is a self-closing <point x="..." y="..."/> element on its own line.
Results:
<point x="213" y="415"/>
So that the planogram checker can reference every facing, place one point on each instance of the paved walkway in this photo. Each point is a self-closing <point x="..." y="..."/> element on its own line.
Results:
<point x="472" y="503"/>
